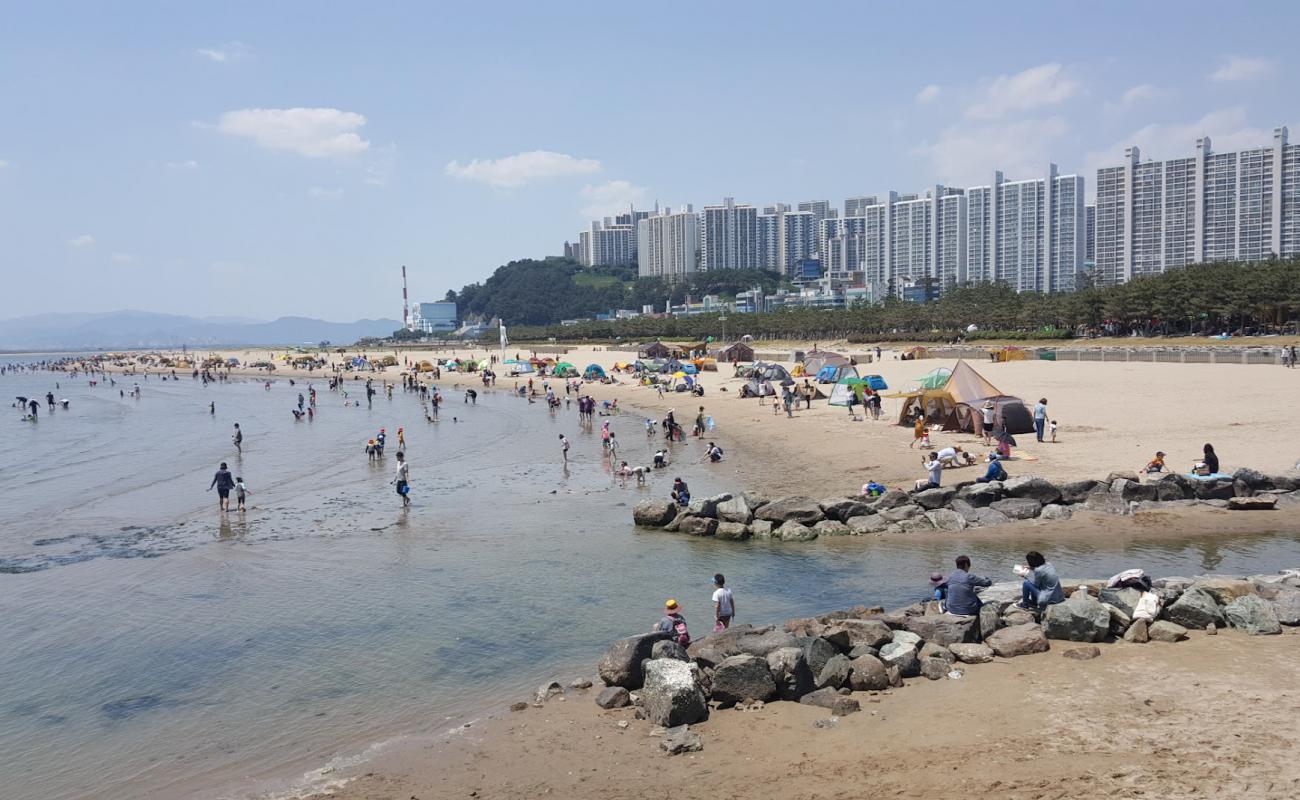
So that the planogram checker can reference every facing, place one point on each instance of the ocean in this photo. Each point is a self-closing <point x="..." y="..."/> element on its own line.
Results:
<point x="156" y="648"/>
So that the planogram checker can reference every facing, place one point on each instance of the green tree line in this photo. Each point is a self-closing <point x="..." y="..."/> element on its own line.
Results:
<point x="1199" y="299"/>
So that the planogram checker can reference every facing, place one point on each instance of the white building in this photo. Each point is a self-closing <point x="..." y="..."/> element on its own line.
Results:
<point x="1030" y="234"/>
<point x="607" y="243"/>
<point x="669" y="245"/>
<point x="798" y="238"/>
<point x="1157" y="215"/>
<point x="729" y="236"/>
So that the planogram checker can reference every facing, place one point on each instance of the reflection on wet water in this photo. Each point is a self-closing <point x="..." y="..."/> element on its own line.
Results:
<point x="152" y="643"/>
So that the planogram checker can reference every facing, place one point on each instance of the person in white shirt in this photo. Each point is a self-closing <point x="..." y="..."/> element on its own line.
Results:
<point x="934" y="471"/>
<point x="724" y="605"/>
<point x="402" y="479"/>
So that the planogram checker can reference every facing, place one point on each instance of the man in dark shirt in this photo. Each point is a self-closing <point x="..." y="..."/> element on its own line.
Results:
<point x="224" y="483"/>
<point x="962" y="599"/>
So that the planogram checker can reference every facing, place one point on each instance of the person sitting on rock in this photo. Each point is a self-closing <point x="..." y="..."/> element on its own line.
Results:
<point x="1042" y="586"/>
<point x="961" y="599"/>
<point x="995" y="472"/>
<point x="934" y="472"/>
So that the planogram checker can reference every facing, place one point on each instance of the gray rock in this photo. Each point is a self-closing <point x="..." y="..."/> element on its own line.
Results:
<point x="797" y="509"/>
<point x="843" y="508"/>
<point x="902" y="512"/>
<point x="903" y="657"/>
<point x="972" y="653"/>
<point x="792" y="531"/>
<point x="671" y="696"/>
<point x="1018" y="640"/>
<point x="1286" y="606"/>
<point x="712" y="649"/>
<point x="731" y="531"/>
<point x="1122" y="475"/>
<point x="822" y="698"/>
<point x="1137" y="632"/>
<point x="1076" y="491"/>
<point x="1124" y="599"/>
<point x="1018" y="507"/>
<point x="546" y="691"/>
<point x="1083" y="653"/>
<point x="669" y="649"/>
<point x="761" y="529"/>
<point x="790" y="671"/>
<point x="1056" y="511"/>
<point x="944" y="629"/>
<point x="1165" y="631"/>
<point x="921" y="524"/>
<point x="981" y="495"/>
<point x="932" y="650"/>
<point x="867" y="524"/>
<point x="1132" y="491"/>
<point x="1172" y="487"/>
<point x="1119" y="621"/>
<point x="580" y="683"/>
<point x="1033" y="488"/>
<point x="1195" y="609"/>
<point x="1105" y="503"/>
<point x="1252" y="614"/>
<point x="698" y="526"/>
<point x="708" y="506"/>
<point x="988" y="518"/>
<point x="1214" y="490"/>
<point x="935" y="669"/>
<point x="1079" y="619"/>
<point x="1260" y="502"/>
<point x="890" y="499"/>
<point x="621" y="664"/>
<point x="845" y="706"/>
<point x="756" y="500"/>
<point x="654" y="513"/>
<point x="847" y="634"/>
<point x="817" y="651"/>
<point x="743" y="677"/>
<point x="613" y="697"/>
<point x="931" y="499"/>
<point x="989" y="620"/>
<point x="863" y="650"/>
<point x="1252" y="478"/>
<point x="945" y="519"/>
<point x="905" y="637"/>
<point x="869" y="674"/>
<point x="681" y="740"/>
<point x="830" y="527"/>
<point x="836" y="672"/>
<point x="735" y="510"/>
<point x="1017" y="616"/>
<point x="1001" y="594"/>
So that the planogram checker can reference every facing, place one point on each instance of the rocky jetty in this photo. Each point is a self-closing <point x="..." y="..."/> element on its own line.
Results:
<point x="826" y="660"/>
<point x="962" y="505"/>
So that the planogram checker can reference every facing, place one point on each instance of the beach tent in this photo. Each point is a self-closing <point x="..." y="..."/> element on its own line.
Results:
<point x="739" y="351"/>
<point x="424" y="366"/>
<point x="654" y="350"/>
<point x="957" y="404"/>
<point x="848" y="387"/>
<point x="813" y="362"/>
<point x="593" y="372"/>
<point x="876" y="383"/>
<point x="565" y="370"/>
<point x="1010" y="354"/>
<point x="832" y="373"/>
<point x="934" y="379"/>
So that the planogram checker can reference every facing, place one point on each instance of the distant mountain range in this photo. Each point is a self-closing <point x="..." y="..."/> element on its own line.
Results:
<point x="135" y="329"/>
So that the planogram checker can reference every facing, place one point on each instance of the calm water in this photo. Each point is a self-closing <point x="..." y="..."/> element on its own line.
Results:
<point x="153" y="648"/>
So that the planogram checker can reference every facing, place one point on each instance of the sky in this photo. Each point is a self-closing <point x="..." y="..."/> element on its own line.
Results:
<point x="262" y="159"/>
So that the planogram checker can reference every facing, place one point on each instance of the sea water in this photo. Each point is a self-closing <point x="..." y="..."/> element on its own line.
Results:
<point x="153" y="647"/>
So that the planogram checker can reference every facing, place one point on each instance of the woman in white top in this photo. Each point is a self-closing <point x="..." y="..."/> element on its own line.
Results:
<point x="724" y="605"/>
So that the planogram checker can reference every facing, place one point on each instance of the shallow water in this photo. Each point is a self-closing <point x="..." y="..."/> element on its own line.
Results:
<point x="154" y="648"/>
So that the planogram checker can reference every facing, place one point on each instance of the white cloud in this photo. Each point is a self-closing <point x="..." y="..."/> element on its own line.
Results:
<point x="230" y="51"/>
<point x="123" y="258"/>
<point x="83" y="240"/>
<point x="928" y="95"/>
<point x="1044" y="85"/>
<point x="311" y="132"/>
<point x="187" y="164"/>
<point x="321" y="193"/>
<point x="1141" y="93"/>
<point x="968" y="155"/>
<point x="610" y="198"/>
<point x="1240" y="68"/>
<point x="522" y="168"/>
<point x="3" y="164"/>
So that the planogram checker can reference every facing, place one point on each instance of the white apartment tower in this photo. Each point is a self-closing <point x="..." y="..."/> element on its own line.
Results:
<point x="1029" y="234"/>
<point x="607" y="243"/>
<point x="729" y="236"/>
<point x="669" y="245"/>
<point x="1154" y="216"/>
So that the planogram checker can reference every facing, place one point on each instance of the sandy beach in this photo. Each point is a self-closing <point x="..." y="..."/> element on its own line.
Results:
<point x="1111" y="416"/>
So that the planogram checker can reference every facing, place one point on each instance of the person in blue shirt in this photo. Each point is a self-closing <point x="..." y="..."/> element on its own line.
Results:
<point x="1042" y="586"/>
<point x="995" y="472"/>
<point x="962" y="586"/>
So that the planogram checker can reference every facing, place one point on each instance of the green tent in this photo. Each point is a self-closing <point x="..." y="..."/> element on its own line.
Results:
<point x="935" y="378"/>
<point x="564" y="369"/>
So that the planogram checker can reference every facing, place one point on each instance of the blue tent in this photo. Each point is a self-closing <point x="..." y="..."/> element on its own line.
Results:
<point x="876" y="383"/>
<point x="593" y="372"/>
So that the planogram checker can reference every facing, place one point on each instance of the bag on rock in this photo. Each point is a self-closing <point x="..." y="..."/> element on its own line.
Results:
<point x="1148" y="607"/>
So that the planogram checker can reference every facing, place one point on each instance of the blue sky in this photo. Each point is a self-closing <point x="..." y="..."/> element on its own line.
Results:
<point x="259" y="159"/>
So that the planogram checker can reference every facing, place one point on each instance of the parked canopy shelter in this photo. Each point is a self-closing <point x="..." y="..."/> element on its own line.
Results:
<point x="738" y="351"/>
<point x="653" y="350"/>
<point x="958" y="404"/>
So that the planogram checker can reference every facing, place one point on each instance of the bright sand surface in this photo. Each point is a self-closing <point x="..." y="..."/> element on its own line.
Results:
<point x="1111" y="416"/>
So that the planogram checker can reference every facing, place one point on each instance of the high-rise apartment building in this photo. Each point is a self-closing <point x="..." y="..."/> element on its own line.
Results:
<point x="607" y="244"/>
<point x="821" y="209"/>
<point x="729" y="236"/>
<point x="1028" y="234"/>
<point x="798" y="239"/>
<point x="1090" y="240"/>
<point x="767" y="228"/>
<point x="669" y="245"/>
<point x="1152" y="216"/>
<point x="854" y="206"/>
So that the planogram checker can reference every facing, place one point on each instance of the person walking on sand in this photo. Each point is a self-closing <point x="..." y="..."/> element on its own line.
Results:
<point x="699" y="424"/>
<point x="724" y="604"/>
<point x="238" y="439"/>
<point x="919" y="433"/>
<point x="403" y="479"/>
<point x="564" y="447"/>
<point x="240" y="492"/>
<point x="223" y="484"/>
<point x="1040" y="418"/>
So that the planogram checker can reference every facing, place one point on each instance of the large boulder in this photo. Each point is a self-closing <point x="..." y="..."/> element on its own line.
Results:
<point x="1034" y="488"/>
<point x="1132" y="491"/>
<point x="654" y="513"/>
<point x="1018" y="640"/>
<point x="708" y="506"/>
<point x="1138" y="632"/>
<point x="1220" y="489"/>
<point x="918" y="524"/>
<point x="698" y="526"/>
<point x="668" y="648"/>
<point x="613" y="697"/>
<point x="740" y="639"/>
<point x="1105" y="503"/>
<point x="817" y="651"/>
<point x="1122" y="474"/>
<point x="1076" y="491"/>
<point x="972" y="653"/>
<point x="1165" y="631"/>
<point x="1286" y="606"/>
<point x="790" y="670"/>
<point x="1119" y="620"/>
<point x="1125" y="600"/>
<point x="869" y="674"/>
<point x="931" y="499"/>
<point x="1253" y="478"/>
<point x="990" y="619"/>
<point x="981" y="495"/>
<point x="792" y="509"/>
<point x="1018" y="507"/>
<point x="1195" y="609"/>
<point x="987" y="518"/>
<point x="621" y="664"/>
<point x="838" y="704"/>
<point x="831" y="527"/>
<point x="843" y="508"/>
<point x="1056" y="511"/>
<point x="743" y="677"/>
<point x="671" y="695"/>
<point x="1252" y="614"/>
<point x="731" y="531"/>
<point x="1260" y="502"/>
<point x="791" y="531"/>
<point x="945" y="519"/>
<point x="761" y="528"/>
<point x="867" y="524"/>
<point x="1079" y="619"/>
<point x="944" y="629"/>
<point x="847" y="634"/>
<point x="903" y="657"/>
<point x="1224" y="590"/>
<point x="902" y="512"/>
<point x="892" y="498"/>
<point x="736" y="509"/>
<point x="905" y="637"/>
<point x="835" y="673"/>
